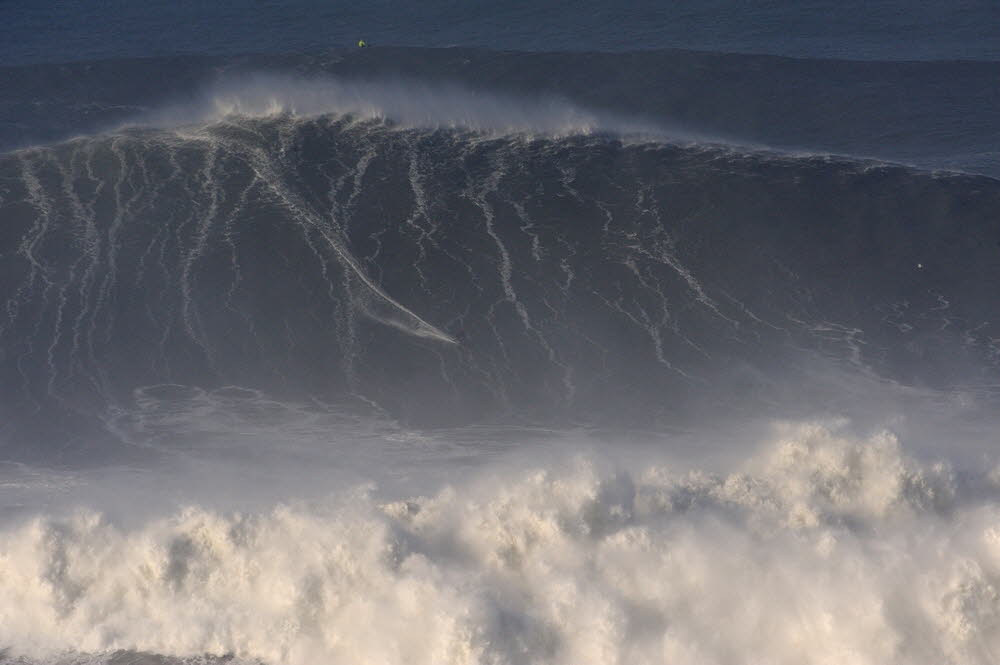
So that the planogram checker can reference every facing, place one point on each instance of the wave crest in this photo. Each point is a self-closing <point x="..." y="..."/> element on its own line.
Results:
<point x="407" y="104"/>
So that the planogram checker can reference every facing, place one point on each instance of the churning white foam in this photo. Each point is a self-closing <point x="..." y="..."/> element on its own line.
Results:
<point x="822" y="549"/>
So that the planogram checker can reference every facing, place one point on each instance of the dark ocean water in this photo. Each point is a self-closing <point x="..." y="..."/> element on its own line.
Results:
<point x="526" y="334"/>
<point x="896" y="30"/>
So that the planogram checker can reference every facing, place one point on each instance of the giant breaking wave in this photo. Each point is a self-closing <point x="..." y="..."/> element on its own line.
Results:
<point x="450" y="275"/>
<point x="283" y="287"/>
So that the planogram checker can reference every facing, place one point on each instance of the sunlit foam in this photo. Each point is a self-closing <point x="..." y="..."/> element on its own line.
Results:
<point x="820" y="548"/>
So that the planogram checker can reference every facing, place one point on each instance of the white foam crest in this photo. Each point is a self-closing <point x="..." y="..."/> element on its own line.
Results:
<point x="822" y="549"/>
<point x="406" y="104"/>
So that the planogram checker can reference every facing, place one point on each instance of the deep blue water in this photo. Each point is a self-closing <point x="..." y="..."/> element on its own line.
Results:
<point x="37" y="32"/>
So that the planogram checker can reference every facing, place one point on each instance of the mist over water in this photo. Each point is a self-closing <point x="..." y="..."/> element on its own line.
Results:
<point x="406" y="104"/>
<point x="460" y="356"/>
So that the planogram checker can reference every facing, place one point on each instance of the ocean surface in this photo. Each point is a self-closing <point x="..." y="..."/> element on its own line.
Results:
<point x="560" y="333"/>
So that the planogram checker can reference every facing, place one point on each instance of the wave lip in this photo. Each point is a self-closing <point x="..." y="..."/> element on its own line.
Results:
<point x="406" y="104"/>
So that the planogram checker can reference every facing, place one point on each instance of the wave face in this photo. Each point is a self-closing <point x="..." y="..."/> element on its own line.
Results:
<point x="823" y="548"/>
<point x="450" y="275"/>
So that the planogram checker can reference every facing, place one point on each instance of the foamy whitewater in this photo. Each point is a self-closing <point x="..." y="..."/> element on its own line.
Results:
<point x="819" y="549"/>
<point x="427" y="356"/>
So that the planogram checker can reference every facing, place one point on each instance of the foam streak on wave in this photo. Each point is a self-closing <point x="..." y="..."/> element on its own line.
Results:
<point x="823" y="549"/>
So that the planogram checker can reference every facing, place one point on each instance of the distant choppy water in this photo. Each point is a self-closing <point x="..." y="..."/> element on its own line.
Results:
<point x="425" y="355"/>
<point x="851" y="29"/>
